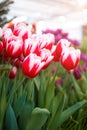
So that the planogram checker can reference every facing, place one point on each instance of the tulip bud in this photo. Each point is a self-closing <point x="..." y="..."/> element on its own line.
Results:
<point x="14" y="47"/>
<point x="78" y="72"/>
<point x="13" y="72"/>
<point x="32" y="65"/>
<point x="46" y="57"/>
<point x="59" y="48"/>
<point x="30" y="45"/>
<point x="70" y="58"/>
<point x="21" y="29"/>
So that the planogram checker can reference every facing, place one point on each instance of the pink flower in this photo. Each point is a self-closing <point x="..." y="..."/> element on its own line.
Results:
<point x="21" y="29"/>
<point x="59" y="82"/>
<point x="46" y="57"/>
<point x="14" y="47"/>
<point x="47" y="41"/>
<point x="13" y="72"/>
<point x="17" y="62"/>
<point x="35" y="43"/>
<point x="32" y="65"/>
<point x="44" y="40"/>
<point x="53" y="70"/>
<point x="30" y="46"/>
<point x="78" y="72"/>
<point x="70" y="58"/>
<point x="7" y="35"/>
<point x="54" y="53"/>
<point x="59" y="48"/>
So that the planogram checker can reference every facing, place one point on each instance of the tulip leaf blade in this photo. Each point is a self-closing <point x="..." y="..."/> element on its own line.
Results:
<point x="19" y="105"/>
<point x="10" y="119"/>
<point x="38" y="118"/>
<point x="69" y="111"/>
<point x="25" y="114"/>
<point x="52" y="124"/>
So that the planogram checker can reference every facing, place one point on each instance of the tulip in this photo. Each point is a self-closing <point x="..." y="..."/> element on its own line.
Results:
<point x="70" y="58"/>
<point x="46" y="57"/>
<point x="59" y="82"/>
<point x="32" y="65"/>
<point x="84" y="57"/>
<point x="55" y="32"/>
<point x="59" y="48"/>
<point x="47" y="41"/>
<point x="35" y="43"/>
<point x="17" y="62"/>
<point x="78" y="72"/>
<point x="14" y="47"/>
<point x="13" y="72"/>
<point x="44" y="40"/>
<point x="54" y="53"/>
<point x="74" y="41"/>
<point x="21" y="29"/>
<point x="30" y="46"/>
<point x="85" y="67"/>
<point x="53" y="70"/>
<point x="61" y="44"/>
<point x="7" y="35"/>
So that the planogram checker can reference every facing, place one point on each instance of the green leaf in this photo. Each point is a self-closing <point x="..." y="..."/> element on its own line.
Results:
<point x="3" y="101"/>
<point x="10" y="119"/>
<point x="49" y="95"/>
<point x="41" y="91"/>
<point x="53" y="122"/>
<point x="38" y="118"/>
<point x="3" y="105"/>
<point x="25" y="115"/>
<point x="78" y="90"/>
<point x="68" y="112"/>
<point x="84" y="84"/>
<point x="37" y="82"/>
<point x="56" y="103"/>
<point x="19" y="105"/>
<point x="72" y="97"/>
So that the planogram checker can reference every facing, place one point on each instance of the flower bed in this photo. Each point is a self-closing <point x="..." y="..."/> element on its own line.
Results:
<point x="31" y="96"/>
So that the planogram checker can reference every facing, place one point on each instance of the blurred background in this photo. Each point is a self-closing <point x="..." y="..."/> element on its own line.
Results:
<point x="69" y="15"/>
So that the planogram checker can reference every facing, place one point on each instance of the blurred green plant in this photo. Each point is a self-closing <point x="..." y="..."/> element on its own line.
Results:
<point x="41" y="103"/>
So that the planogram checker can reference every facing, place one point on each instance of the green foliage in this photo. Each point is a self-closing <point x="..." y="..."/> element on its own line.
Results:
<point x="25" y="115"/>
<point x="38" y="118"/>
<point x="53" y="122"/>
<point x="10" y="119"/>
<point x="18" y="106"/>
<point x="41" y="103"/>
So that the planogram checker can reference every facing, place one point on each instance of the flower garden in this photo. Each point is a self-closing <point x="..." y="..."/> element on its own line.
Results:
<point x="43" y="79"/>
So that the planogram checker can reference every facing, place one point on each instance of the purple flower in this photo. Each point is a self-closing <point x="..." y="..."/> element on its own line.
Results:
<point x="77" y="72"/>
<point x="59" y="82"/>
<point x="74" y="42"/>
<point x="57" y="38"/>
<point x="85" y="67"/>
<point x="84" y="57"/>
<point x="53" y="70"/>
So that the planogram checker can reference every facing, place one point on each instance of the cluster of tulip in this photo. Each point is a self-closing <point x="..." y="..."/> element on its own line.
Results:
<point x="61" y="34"/>
<point x="34" y="52"/>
